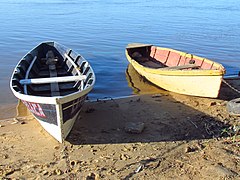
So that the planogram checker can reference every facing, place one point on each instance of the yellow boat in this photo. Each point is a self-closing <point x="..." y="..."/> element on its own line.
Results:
<point x="176" y="71"/>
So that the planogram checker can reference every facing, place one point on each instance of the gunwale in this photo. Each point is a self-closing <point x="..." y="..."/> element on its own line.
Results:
<point x="173" y="72"/>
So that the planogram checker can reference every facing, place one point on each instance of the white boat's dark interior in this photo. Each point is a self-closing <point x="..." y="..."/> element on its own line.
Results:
<point x="49" y="60"/>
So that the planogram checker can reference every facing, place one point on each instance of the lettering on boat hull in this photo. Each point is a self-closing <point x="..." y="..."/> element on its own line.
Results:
<point x="43" y="112"/>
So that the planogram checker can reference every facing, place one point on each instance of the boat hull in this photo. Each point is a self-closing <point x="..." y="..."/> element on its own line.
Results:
<point x="204" y="86"/>
<point x="57" y="119"/>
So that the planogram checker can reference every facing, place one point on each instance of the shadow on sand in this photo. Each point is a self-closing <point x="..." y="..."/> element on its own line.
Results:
<point x="165" y="118"/>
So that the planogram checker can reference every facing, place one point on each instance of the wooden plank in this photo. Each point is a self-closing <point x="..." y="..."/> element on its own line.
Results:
<point x="73" y="63"/>
<point x="46" y="87"/>
<point x="54" y="85"/>
<point x="137" y="45"/>
<point x="60" y="72"/>
<point x="186" y="66"/>
<point x="53" y="79"/>
<point x="152" y="64"/>
<point x="76" y="68"/>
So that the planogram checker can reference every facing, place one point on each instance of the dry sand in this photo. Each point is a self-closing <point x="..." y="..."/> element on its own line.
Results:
<point x="183" y="138"/>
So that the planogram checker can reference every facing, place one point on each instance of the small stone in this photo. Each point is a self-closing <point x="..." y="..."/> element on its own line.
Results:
<point x="15" y="122"/>
<point x="58" y="172"/>
<point x="45" y="172"/>
<point x="8" y="171"/>
<point x="156" y="95"/>
<point x="92" y="176"/>
<point x="5" y="156"/>
<point x="134" y="127"/>
<point x="56" y="147"/>
<point x="236" y="129"/>
<point x="124" y="157"/>
<point x="93" y="150"/>
<point x="195" y="103"/>
<point x="189" y="149"/>
<point x="212" y="103"/>
<point x="73" y="163"/>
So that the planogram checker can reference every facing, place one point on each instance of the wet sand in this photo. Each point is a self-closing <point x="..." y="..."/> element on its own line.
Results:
<point x="183" y="138"/>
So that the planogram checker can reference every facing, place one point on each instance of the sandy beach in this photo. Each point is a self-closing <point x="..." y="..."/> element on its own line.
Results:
<point x="149" y="136"/>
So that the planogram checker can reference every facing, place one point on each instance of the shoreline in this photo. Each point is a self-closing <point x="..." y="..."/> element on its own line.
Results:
<point x="183" y="137"/>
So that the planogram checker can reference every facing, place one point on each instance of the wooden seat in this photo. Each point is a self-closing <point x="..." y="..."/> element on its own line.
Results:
<point x="186" y="66"/>
<point x="46" y="87"/>
<point x="152" y="64"/>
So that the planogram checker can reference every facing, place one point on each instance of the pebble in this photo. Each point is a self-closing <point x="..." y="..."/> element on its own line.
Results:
<point x="124" y="157"/>
<point x="57" y="147"/>
<point x="15" y="122"/>
<point x="212" y="103"/>
<point x="189" y="149"/>
<point x="92" y="176"/>
<point x="5" y="156"/>
<point x="73" y="163"/>
<point x="45" y="172"/>
<point x="195" y="103"/>
<point x="134" y="127"/>
<point x="58" y="172"/>
<point x="156" y="95"/>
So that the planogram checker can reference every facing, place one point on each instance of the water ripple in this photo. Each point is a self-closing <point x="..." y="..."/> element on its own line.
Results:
<point x="100" y="31"/>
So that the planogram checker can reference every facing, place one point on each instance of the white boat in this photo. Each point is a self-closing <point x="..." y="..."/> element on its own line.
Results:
<point x="53" y="82"/>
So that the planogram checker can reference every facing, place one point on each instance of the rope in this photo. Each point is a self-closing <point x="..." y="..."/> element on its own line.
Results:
<point x="231" y="87"/>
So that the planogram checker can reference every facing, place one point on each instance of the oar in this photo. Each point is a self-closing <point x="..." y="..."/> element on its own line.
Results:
<point x="52" y="79"/>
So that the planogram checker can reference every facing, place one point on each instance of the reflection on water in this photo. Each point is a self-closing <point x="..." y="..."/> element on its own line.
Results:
<point x="11" y="111"/>
<point x="139" y="84"/>
<point x="100" y="31"/>
<point x="22" y="110"/>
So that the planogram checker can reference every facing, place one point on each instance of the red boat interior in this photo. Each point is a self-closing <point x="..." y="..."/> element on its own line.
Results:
<point x="154" y="57"/>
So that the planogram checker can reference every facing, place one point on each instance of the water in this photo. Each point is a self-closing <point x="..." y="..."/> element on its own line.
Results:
<point x="100" y="30"/>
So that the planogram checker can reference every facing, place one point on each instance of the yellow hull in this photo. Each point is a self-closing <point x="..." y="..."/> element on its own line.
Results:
<point x="204" y="83"/>
<point x="205" y="86"/>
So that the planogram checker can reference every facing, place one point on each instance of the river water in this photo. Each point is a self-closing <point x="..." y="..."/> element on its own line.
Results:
<point x="100" y="30"/>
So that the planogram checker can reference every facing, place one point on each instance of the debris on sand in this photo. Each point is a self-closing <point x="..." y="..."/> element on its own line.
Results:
<point x="134" y="127"/>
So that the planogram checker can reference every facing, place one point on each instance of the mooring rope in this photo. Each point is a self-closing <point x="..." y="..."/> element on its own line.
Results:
<point x="230" y="86"/>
